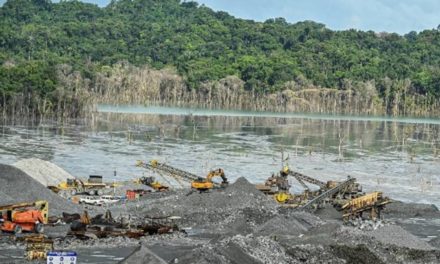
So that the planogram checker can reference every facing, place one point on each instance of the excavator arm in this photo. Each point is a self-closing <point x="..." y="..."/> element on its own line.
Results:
<point x="197" y="182"/>
<point x="217" y="173"/>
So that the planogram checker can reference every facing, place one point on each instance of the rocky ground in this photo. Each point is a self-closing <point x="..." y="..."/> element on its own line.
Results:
<point x="237" y="225"/>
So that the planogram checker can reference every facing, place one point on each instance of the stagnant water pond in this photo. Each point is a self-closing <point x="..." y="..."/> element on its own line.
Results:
<point x="398" y="156"/>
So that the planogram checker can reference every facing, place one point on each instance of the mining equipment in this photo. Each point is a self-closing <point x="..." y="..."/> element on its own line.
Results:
<point x="37" y="247"/>
<point x="207" y="183"/>
<point x="372" y="203"/>
<point x="29" y="217"/>
<point x="197" y="182"/>
<point x="328" y="194"/>
<point x="93" y="186"/>
<point x="151" y="181"/>
<point x="274" y="184"/>
<point x="346" y="191"/>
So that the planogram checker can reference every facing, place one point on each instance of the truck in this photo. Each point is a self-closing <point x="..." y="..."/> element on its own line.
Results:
<point x="93" y="186"/>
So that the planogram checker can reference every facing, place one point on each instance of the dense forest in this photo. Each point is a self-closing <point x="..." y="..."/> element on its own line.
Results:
<point x="61" y="57"/>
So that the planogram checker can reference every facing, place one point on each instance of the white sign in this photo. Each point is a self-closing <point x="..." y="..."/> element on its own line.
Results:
<point x="61" y="257"/>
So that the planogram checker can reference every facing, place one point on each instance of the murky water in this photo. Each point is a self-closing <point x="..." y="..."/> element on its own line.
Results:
<point x="397" y="156"/>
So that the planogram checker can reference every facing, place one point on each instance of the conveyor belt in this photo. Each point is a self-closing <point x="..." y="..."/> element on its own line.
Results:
<point x="301" y="178"/>
<point x="154" y="165"/>
<point x="328" y="193"/>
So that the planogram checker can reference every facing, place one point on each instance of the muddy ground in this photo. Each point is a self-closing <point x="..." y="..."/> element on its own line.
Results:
<point x="242" y="225"/>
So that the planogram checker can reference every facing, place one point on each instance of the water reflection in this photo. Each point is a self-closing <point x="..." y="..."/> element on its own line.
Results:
<point x="399" y="158"/>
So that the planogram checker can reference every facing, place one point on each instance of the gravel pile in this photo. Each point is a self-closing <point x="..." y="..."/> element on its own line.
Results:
<point x="241" y="194"/>
<point x="43" y="171"/>
<point x="16" y="186"/>
<point x="396" y="235"/>
<point x="406" y="210"/>
<point x="6" y="199"/>
<point x="263" y="249"/>
<point x="435" y="242"/>
<point x="238" y="249"/>
<point x="282" y="225"/>
<point x="143" y="255"/>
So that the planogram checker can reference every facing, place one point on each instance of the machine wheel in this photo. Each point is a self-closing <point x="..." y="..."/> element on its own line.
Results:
<point x="39" y="228"/>
<point x="17" y="229"/>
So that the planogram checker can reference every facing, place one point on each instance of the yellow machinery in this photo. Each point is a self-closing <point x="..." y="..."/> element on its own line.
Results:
<point x="75" y="186"/>
<point x="203" y="184"/>
<point x="198" y="183"/>
<point x="150" y="181"/>
<point x="283" y="197"/>
<point x="373" y="203"/>
<point x="37" y="247"/>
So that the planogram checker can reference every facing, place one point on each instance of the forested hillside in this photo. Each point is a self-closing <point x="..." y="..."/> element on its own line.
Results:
<point x="54" y="56"/>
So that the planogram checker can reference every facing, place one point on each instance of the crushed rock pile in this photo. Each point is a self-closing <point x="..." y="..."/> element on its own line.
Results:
<point x="396" y="235"/>
<point x="241" y="194"/>
<point x="435" y="242"/>
<point x="263" y="249"/>
<point x="237" y="208"/>
<point x="143" y="255"/>
<point x="292" y="225"/>
<point x="16" y="186"/>
<point x="45" y="172"/>
<point x="399" y="209"/>
<point x="238" y="249"/>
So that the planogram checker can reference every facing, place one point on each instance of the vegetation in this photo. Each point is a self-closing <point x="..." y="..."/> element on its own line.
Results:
<point x="56" y="56"/>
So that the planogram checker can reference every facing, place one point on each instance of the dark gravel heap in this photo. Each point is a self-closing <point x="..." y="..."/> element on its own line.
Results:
<point x="143" y="255"/>
<point x="241" y="194"/>
<point x="16" y="186"/>
<point x="400" y="209"/>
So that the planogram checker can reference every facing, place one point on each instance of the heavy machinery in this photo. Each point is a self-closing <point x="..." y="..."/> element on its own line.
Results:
<point x="151" y="181"/>
<point x="346" y="191"/>
<point x="28" y="217"/>
<point x="93" y="186"/>
<point x="37" y="247"/>
<point x="329" y="194"/>
<point x="301" y="178"/>
<point x="207" y="183"/>
<point x="197" y="182"/>
<point x="371" y="203"/>
<point x="274" y="184"/>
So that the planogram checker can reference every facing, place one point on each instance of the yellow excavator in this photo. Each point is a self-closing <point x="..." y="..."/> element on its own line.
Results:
<point x="203" y="184"/>
<point x="76" y="186"/>
<point x="197" y="182"/>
